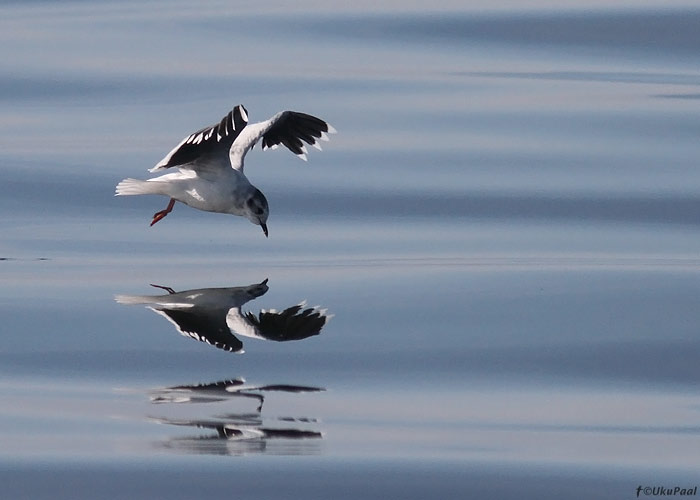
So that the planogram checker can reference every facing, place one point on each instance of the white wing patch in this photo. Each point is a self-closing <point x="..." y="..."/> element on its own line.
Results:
<point x="239" y="325"/>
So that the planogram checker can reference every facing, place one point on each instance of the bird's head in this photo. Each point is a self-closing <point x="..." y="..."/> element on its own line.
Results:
<point x="257" y="210"/>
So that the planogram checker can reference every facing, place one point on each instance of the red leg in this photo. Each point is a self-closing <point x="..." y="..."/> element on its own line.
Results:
<point x="159" y="215"/>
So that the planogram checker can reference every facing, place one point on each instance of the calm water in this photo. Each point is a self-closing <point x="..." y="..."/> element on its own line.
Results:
<point x="505" y="229"/>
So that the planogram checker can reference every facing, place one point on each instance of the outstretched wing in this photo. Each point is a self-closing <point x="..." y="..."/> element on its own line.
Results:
<point x="288" y="128"/>
<point x="203" y="325"/>
<point x="213" y="140"/>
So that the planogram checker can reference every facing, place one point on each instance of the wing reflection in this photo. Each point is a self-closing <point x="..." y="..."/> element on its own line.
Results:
<point x="214" y="316"/>
<point x="223" y="390"/>
<point x="238" y="432"/>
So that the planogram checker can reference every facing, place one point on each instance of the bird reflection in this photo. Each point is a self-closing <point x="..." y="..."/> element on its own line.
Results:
<point x="222" y="391"/>
<point x="241" y="435"/>
<point x="236" y="433"/>
<point x="214" y="316"/>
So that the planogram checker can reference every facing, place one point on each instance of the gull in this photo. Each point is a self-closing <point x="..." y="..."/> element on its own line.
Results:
<point x="214" y="316"/>
<point x="209" y="164"/>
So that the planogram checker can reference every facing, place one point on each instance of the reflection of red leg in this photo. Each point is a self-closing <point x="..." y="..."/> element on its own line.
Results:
<point x="166" y="288"/>
<point x="159" y="215"/>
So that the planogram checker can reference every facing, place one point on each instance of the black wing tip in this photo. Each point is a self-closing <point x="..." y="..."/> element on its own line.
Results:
<point x="242" y="111"/>
<point x="240" y="116"/>
<point x="312" y="123"/>
<point x="294" y="323"/>
<point x="296" y="128"/>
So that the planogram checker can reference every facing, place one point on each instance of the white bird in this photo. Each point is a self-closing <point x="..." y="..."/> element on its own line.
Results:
<point x="210" y="164"/>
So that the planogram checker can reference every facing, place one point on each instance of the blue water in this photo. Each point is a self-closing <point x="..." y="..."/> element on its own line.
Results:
<point x="505" y="230"/>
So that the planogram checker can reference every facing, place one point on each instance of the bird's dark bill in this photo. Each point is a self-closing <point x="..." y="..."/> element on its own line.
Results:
<point x="264" y="228"/>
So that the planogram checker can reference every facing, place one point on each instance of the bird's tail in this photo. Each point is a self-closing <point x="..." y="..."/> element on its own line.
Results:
<point x="129" y="187"/>
<point x="134" y="299"/>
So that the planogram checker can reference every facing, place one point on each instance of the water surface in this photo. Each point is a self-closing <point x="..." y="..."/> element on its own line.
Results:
<point x="504" y="230"/>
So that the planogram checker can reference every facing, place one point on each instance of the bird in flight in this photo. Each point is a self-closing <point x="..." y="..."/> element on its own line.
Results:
<point x="209" y="164"/>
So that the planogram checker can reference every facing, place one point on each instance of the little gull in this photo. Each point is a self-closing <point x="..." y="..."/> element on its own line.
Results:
<point x="210" y="164"/>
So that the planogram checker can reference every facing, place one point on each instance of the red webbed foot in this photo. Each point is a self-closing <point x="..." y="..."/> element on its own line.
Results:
<point x="160" y="215"/>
